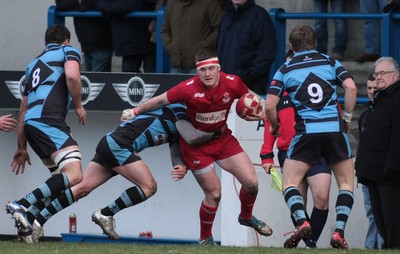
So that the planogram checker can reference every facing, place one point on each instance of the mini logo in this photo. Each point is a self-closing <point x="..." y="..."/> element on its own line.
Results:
<point x="135" y="92"/>
<point x="90" y="90"/>
<point x="285" y="102"/>
<point x="16" y="87"/>
<point x="230" y="77"/>
<point x="199" y="95"/>
<point x="196" y="162"/>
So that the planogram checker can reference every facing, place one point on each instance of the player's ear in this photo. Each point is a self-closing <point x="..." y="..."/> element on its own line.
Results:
<point x="66" y="42"/>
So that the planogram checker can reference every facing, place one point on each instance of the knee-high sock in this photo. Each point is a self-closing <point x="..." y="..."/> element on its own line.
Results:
<point x="317" y="222"/>
<point x="52" y="187"/>
<point x="40" y="205"/>
<point x="295" y="203"/>
<point x="344" y="205"/>
<point x="128" y="198"/>
<point x="207" y="216"/>
<point x="35" y="209"/>
<point x="64" y="200"/>
<point x="246" y="204"/>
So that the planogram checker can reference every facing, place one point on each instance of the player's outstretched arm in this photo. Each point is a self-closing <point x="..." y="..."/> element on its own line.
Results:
<point x="193" y="136"/>
<point x="151" y="104"/>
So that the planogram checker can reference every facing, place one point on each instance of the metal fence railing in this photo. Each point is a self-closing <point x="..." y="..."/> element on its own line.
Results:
<point x="390" y="31"/>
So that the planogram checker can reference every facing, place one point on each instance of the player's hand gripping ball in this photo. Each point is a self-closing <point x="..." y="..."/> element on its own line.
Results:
<point x="248" y="105"/>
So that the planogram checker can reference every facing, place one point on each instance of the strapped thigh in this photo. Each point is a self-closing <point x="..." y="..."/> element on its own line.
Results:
<point x="65" y="157"/>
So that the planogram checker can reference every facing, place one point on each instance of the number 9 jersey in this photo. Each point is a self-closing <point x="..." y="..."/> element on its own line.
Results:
<point x="311" y="80"/>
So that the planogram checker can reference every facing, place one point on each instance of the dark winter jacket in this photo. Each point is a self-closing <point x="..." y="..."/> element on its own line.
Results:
<point x="246" y="44"/>
<point x="189" y="25"/>
<point x="131" y="36"/>
<point x="378" y="157"/>
<point x="93" y="33"/>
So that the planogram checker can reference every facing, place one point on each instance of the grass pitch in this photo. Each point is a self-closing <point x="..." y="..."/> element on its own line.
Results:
<point x="12" y="247"/>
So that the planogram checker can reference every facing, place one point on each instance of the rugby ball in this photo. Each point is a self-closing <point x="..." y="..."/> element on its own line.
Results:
<point x="248" y="105"/>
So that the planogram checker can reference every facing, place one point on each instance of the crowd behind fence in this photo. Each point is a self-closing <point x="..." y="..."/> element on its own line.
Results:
<point x="390" y="35"/>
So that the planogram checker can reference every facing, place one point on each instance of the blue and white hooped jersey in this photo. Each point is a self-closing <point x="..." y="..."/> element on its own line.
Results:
<point x="151" y="128"/>
<point x="311" y="79"/>
<point x="46" y="87"/>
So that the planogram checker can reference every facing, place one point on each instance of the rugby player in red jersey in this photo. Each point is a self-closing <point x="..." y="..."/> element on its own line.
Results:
<point x="208" y="97"/>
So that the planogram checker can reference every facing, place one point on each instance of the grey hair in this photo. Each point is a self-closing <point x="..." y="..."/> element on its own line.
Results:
<point x="389" y="59"/>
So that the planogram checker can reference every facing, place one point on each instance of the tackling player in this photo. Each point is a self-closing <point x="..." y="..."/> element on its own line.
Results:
<point x="117" y="153"/>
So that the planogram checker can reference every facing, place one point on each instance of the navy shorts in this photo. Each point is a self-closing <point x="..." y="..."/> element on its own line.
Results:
<point x="47" y="136"/>
<point x="110" y="154"/>
<point x="309" y="148"/>
<point x="315" y="169"/>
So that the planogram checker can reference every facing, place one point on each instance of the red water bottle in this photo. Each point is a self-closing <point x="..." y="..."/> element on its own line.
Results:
<point x="72" y="223"/>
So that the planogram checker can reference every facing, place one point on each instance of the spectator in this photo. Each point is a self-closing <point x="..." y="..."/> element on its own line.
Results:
<point x="131" y="36"/>
<point x="318" y="178"/>
<point x="189" y="25"/>
<point x="373" y="239"/>
<point x="378" y="163"/>
<point x="392" y="5"/>
<point x="94" y="35"/>
<point x="246" y="43"/>
<point x="321" y="28"/>
<point x="311" y="80"/>
<point x="153" y="23"/>
<point x="372" y="31"/>
<point x="7" y="123"/>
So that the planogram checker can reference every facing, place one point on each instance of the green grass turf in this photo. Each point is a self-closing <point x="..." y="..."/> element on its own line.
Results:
<point x="11" y="247"/>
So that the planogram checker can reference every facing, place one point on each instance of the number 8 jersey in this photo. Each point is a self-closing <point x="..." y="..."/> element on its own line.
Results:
<point x="45" y="82"/>
<point x="311" y="80"/>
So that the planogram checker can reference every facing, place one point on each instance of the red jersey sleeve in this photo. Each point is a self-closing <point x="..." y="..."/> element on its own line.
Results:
<point x="266" y="153"/>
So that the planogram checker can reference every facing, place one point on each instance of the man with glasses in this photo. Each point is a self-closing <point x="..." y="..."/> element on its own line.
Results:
<point x="373" y="239"/>
<point x="378" y="163"/>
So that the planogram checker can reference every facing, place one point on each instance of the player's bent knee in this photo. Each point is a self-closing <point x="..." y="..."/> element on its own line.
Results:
<point x="252" y="190"/>
<point x="215" y="196"/>
<point x="63" y="161"/>
<point x="74" y="177"/>
<point x="149" y="190"/>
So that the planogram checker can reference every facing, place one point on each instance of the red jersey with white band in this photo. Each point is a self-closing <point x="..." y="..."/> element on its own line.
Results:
<point x="208" y="111"/>
<point x="208" y="108"/>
